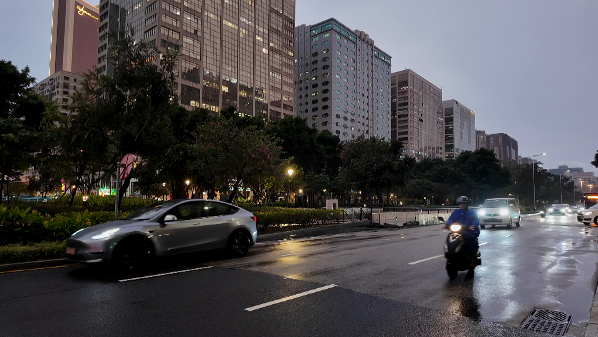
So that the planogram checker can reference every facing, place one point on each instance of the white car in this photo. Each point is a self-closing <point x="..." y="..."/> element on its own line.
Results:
<point x="590" y="216"/>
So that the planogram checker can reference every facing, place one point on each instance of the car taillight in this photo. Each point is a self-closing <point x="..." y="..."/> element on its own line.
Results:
<point x="255" y="218"/>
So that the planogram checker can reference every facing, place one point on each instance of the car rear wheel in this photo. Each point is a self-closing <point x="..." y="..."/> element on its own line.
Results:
<point x="133" y="253"/>
<point x="239" y="243"/>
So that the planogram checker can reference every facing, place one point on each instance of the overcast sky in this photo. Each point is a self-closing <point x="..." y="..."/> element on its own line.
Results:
<point x="526" y="67"/>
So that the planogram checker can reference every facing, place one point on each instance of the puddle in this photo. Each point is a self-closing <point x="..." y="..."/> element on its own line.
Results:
<point x="577" y="299"/>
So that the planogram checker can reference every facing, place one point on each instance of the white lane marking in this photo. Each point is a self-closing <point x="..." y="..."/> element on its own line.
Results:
<point x="424" y="260"/>
<point x="290" y="298"/>
<point x="484" y="243"/>
<point x="508" y="236"/>
<point x="157" y="275"/>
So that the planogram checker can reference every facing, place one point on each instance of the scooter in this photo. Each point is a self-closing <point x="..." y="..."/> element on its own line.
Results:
<point x="456" y="259"/>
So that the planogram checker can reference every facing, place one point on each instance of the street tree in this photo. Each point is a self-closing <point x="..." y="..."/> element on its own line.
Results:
<point x="21" y="113"/>
<point x="128" y="107"/>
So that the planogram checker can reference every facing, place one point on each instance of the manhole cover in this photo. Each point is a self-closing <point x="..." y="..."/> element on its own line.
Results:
<point x="547" y="321"/>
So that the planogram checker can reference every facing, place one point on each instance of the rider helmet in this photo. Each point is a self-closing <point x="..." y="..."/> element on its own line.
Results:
<point x="462" y="200"/>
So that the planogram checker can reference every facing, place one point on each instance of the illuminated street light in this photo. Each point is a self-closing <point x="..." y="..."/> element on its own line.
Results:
<point x="187" y="182"/>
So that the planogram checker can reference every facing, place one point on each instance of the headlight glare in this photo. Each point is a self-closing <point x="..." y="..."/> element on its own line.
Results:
<point x="504" y="212"/>
<point x="482" y="212"/>
<point x="105" y="234"/>
<point x="455" y="228"/>
<point x="551" y="209"/>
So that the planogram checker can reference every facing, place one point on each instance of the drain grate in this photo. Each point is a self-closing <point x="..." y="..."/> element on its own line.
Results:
<point x="547" y="321"/>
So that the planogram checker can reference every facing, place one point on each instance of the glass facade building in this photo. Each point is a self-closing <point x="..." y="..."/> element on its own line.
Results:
<point x="417" y="115"/>
<point x="342" y="81"/>
<point x="231" y="52"/>
<point x="459" y="126"/>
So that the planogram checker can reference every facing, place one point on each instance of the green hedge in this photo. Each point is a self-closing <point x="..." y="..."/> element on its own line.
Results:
<point x="26" y="226"/>
<point x="275" y="219"/>
<point x="14" y="253"/>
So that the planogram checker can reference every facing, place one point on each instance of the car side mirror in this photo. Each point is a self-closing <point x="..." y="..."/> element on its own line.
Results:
<point x="169" y="218"/>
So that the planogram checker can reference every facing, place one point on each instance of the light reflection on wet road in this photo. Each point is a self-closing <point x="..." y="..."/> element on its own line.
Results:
<point x="546" y="263"/>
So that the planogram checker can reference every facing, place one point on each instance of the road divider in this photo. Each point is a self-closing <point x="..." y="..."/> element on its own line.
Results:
<point x="163" y="274"/>
<point x="424" y="260"/>
<point x="290" y="297"/>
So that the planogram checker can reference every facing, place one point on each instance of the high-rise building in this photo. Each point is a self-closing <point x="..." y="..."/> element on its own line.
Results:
<point x="232" y="52"/>
<point x="480" y="139"/>
<point x="505" y="148"/>
<point x="74" y="32"/>
<point x="417" y="115"/>
<point x="73" y="50"/>
<point x="580" y="178"/>
<point x="459" y="126"/>
<point x="342" y="81"/>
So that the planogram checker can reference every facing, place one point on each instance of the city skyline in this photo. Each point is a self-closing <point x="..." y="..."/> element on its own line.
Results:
<point x="509" y="61"/>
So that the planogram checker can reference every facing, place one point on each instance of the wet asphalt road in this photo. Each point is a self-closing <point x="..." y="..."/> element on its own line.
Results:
<point x="386" y="283"/>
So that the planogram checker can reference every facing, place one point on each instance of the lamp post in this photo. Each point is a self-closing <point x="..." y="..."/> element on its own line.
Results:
<point x="187" y="182"/>
<point x="534" y="175"/>
<point x="290" y="172"/>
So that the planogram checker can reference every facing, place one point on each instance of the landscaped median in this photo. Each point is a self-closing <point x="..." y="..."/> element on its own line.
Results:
<point x="28" y="235"/>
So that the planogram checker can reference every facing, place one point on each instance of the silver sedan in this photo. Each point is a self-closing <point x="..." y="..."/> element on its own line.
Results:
<point x="165" y="228"/>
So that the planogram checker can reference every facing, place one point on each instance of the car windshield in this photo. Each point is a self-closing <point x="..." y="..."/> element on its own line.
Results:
<point x="148" y="212"/>
<point x="560" y="206"/>
<point x="495" y="203"/>
<point x="593" y="207"/>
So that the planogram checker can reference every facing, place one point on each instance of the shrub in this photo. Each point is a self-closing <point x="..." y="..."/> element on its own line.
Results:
<point x="14" y="253"/>
<point x="272" y="219"/>
<point x="26" y="225"/>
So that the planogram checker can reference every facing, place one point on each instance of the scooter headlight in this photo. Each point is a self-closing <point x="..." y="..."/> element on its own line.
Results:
<point x="541" y="212"/>
<point x="504" y="212"/>
<point x="455" y="228"/>
<point x="482" y="212"/>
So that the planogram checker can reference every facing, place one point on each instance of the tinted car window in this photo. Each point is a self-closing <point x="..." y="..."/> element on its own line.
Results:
<point x="187" y="211"/>
<point x="211" y="208"/>
<point x="148" y="212"/>
<point x="495" y="203"/>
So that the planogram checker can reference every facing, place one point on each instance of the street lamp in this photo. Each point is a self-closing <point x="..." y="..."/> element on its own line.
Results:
<point x="187" y="182"/>
<point x="290" y="172"/>
<point x="534" y="175"/>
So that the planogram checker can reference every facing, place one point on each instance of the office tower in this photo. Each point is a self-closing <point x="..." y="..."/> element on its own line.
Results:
<point x="417" y="115"/>
<point x="232" y="52"/>
<point x="459" y="126"/>
<point x="342" y="81"/>
<point x="505" y="148"/>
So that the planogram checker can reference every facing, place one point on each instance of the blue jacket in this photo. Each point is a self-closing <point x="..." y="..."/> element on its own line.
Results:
<point x="467" y="218"/>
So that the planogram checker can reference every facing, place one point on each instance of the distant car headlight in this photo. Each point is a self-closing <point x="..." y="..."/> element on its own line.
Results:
<point x="504" y="212"/>
<point x="482" y="212"/>
<point x="551" y="209"/>
<point x="105" y="234"/>
<point x="455" y="228"/>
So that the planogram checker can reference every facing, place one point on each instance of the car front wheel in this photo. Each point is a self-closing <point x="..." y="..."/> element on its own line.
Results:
<point x="133" y="253"/>
<point x="239" y="243"/>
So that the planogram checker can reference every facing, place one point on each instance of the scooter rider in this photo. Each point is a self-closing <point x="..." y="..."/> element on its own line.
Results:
<point x="466" y="217"/>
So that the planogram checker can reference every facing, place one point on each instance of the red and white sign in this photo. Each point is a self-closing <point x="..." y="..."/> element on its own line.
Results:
<point x="126" y="165"/>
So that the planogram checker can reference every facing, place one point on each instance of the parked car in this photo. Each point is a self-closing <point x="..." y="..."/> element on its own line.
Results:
<point x="500" y="211"/>
<point x="165" y="228"/>
<point x="580" y="211"/>
<point x="590" y="216"/>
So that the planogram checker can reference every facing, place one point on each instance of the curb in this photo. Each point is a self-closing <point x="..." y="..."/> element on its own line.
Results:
<point x="33" y="264"/>
<point x="592" y="329"/>
<point x="305" y="232"/>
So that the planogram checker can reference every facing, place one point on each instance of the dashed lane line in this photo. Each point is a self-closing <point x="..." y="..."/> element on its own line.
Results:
<point x="424" y="260"/>
<point x="267" y="304"/>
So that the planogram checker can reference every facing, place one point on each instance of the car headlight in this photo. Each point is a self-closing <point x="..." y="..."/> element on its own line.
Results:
<point x="482" y="212"/>
<point x="551" y="209"/>
<point x="587" y="213"/>
<point x="105" y="234"/>
<point x="504" y="212"/>
<point x="455" y="228"/>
